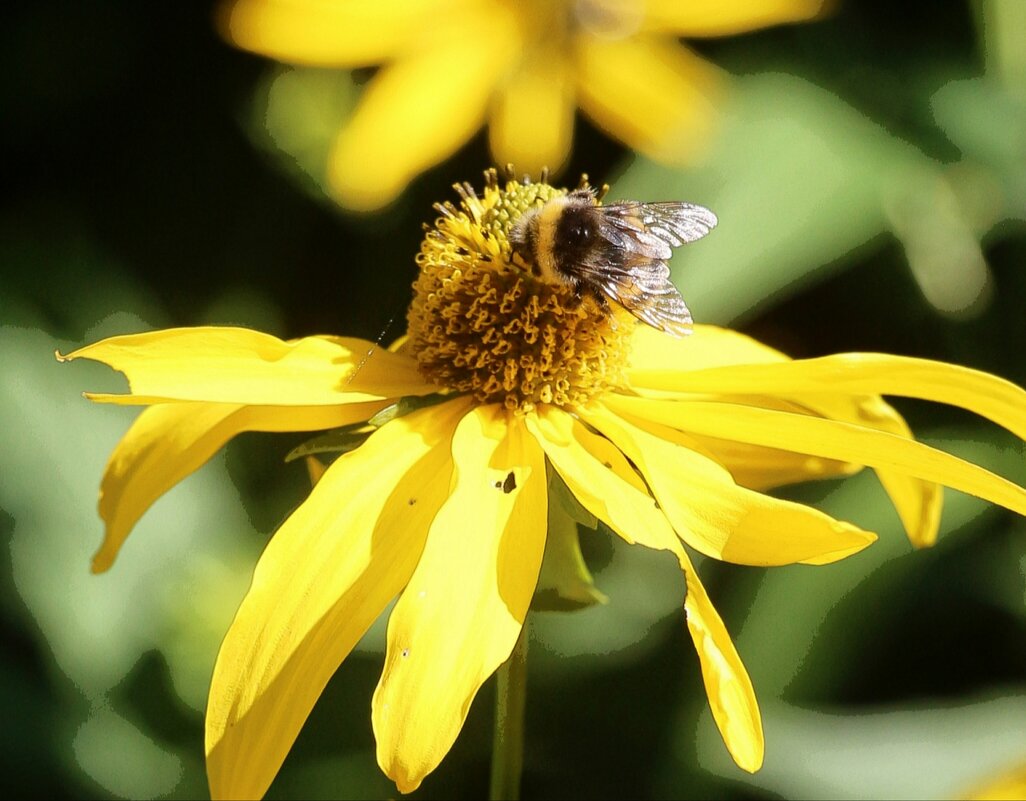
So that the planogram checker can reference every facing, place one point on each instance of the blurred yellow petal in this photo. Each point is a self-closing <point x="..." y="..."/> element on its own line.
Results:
<point x="462" y="612"/>
<point x="169" y="441"/>
<point x="723" y="17"/>
<point x="649" y="92"/>
<point x="715" y="516"/>
<point x="353" y="33"/>
<point x="325" y="576"/>
<point x="1008" y="786"/>
<point x="730" y="692"/>
<point x="831" y="439"/>
<point x="600" y="477"/>
<point x="421" y="109"/>
<point x="532" y="118"/>
<point x="237" y="365"/>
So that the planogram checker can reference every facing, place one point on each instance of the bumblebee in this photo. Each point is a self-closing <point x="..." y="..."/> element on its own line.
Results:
<point x="617" y="252"/>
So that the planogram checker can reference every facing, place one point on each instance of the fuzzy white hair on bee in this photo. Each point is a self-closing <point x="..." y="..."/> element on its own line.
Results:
<point x="616" y="252"/>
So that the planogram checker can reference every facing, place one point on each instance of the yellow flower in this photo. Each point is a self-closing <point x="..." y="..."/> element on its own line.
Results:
<point x="503" y="379"/>
<point x="522" y="66"/>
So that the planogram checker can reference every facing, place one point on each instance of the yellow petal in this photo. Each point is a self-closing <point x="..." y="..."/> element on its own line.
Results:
<point x="831" y="439"/>
<point x="323" y="579"/>
<point x="532" y="118"/>
<point x="917" y="502"/>
<point x="727" y="684"/>
<point x="350" y="34"/>
<point x="659" y="360"/>
<point x="169" y="441"/>
<point x="715" y="516"/>
<point x="761" y="468"/>
<point x="237" y="365"/>
<point x="725" y="17"/>
<point x="650" y="92"/>
<point x="858" y="374"/>
<point x="843" y="386"/>
<point x="419" y="110"/>
<point x="462" y="612"/>
<point x="656" y="356"/>
<point x="603" y="481"/>
<point x="709" y="346"/>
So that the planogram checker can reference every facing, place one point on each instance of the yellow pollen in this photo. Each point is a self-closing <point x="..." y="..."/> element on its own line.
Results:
<point x="481" y="323"/>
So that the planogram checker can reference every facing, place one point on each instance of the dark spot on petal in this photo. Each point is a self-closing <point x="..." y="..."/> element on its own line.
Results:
<point x="412" y="501"/>
<point x="406" y="652"/>
<point x="510" y="483"/>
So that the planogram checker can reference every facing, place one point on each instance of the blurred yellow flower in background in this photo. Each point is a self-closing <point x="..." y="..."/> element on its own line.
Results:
<point x="522" y="66"/>
<point x="1010" y="785"/>
<point x="504" y="385"/>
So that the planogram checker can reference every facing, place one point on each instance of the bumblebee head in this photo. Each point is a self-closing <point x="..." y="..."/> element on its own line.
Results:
<point x="557" y="235"/>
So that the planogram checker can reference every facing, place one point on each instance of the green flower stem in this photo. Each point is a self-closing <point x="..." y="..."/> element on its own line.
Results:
<point x="1002" y="23"/>
<point x="508" y="742"/>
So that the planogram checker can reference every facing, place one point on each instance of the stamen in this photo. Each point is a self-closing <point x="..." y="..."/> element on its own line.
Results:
<point x="481" y="323"/>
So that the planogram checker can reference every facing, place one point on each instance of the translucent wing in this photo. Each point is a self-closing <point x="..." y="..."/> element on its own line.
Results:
<point x="632" y="270"/>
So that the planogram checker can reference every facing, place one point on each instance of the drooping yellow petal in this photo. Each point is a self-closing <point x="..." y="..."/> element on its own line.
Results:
<point x="831" y="439"/>
<point x="461" y="614"/>
<point x="715" y="516"/>
<point x="323" y="579"/>
<point x="532" y="117"/>
<point x="169" y="441"/>
<point x="727" y="685"/>
<point x="649" y="92"/>
<point x="421" y="109"/>
<point x="918" y="502"/>
<point x="709" y="346"/>
<point x="354" y="33"/>
<point x="724" y="17"/>
<point x="759" y="468"/>
<point x="241" y="366"/>
<point x="843" y="387"/>
<point x="601" y="479"/>
<point x="861" y="374"/>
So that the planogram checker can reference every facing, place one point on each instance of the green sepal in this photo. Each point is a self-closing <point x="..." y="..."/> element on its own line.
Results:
<point x="565" y="584"/>
<point x="336" y="441"/>
<point x="405" y="405"/>
<point x="347" y="438"/>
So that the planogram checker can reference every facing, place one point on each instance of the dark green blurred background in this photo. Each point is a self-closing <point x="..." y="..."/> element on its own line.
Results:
<point x="870" y="179"/>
